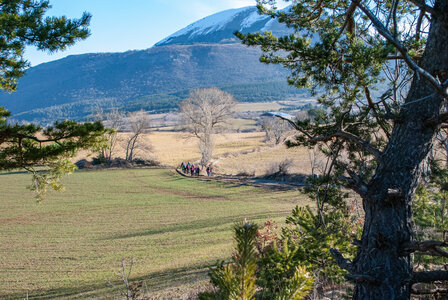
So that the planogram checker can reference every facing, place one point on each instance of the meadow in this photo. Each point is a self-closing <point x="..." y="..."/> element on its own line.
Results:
<point x="174" y="227"/>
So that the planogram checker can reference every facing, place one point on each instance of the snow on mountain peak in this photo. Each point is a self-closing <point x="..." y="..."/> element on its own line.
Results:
<point x="206" y="25"/>
<point x="252" y="19"/>
<point x="220" y="27"/>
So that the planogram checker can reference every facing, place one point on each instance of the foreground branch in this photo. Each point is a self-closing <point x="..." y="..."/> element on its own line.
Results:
<point x="339" y="134"/>
<point x="429" y="276"/>
<point x="350" y="137"/>
<point x="441" y="118"/>
<point x="423" y="6"/>
<point x="342" y="262"/>
<point x="404" y="52"/>
<point x="425" y="248"/>
<point x="355" y="182"/>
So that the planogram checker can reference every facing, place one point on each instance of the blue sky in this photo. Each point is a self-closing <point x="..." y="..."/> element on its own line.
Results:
<point x="119" y="25"/>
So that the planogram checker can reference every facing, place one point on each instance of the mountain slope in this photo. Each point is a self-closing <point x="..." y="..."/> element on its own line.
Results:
<point x="203" y="54"/>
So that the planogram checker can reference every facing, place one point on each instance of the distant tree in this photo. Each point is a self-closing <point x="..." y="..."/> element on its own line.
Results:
<point x="22" y="23"/>
<point x="203" y="112"/>
<point x="276" y="129"/>
<point x="138" y="123"/>
<point x="114" y="121"/>
<point x="379" y="143"/>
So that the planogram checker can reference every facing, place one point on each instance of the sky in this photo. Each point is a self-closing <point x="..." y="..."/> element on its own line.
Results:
<point x="120" y="25"/>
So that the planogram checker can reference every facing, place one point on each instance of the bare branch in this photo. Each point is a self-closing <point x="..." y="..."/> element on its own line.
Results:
<point x="138" y="123"/>
<point x="339" y="134"/>
<point x="422" y="246"/>
<point x="30" y="137"/>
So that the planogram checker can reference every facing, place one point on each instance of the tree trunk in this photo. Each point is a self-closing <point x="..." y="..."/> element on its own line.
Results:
<point x="381" y="270"/>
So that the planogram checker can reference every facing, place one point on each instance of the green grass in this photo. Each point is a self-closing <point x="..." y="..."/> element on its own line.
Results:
<point x="72" y="244"/>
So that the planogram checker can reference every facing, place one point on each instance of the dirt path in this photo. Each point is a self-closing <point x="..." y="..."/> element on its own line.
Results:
<point x="252" y="181"/>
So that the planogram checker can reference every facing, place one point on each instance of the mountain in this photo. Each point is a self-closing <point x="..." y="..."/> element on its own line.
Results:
<point x="203" y="54"/>
<point x="219" y="28"/>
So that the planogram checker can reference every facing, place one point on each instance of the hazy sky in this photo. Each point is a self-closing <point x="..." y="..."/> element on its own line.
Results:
<point x="120" y="25"/>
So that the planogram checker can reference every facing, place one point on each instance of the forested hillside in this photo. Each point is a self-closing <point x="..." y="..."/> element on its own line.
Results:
<point x="204" y="54"/>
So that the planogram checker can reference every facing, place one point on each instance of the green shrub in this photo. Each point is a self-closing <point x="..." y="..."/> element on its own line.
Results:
<point x="279" y="276"/>
<point x="237" y="279"/>
<point x="430" y="213"/>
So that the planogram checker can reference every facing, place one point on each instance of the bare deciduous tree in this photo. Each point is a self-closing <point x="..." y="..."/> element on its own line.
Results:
<point x="138" y="123"/>
<point x="203" y="112"/>
<point x="276" y="129"/>
<point x="113" y="120"/>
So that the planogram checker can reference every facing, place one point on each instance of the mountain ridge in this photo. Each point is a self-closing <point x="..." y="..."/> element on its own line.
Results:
<point x="220" y="27"/>
<point x="177" y="63"/>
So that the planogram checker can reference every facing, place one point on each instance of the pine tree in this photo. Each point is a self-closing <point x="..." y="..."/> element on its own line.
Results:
<point x="378" y="141"/>
<point x="22" y="23"/>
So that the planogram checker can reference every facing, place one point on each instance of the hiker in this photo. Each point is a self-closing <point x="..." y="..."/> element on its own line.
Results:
<point x="188" y="168"/>
<point x="197" y="170"/>
<point x="192" y="169"/>
<point x="182" y="166"/>
<point x="208" y="171"/>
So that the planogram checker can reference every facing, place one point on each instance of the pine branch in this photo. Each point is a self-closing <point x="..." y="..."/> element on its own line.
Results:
<point x="441" y="118"/>
<point x="423" y="6"/>
<point x="34" y="138"/>
<point x="350" y="11"/>
<point x="362" y="278"/>
<point x="350" y="137"/>
<point x="382" y="30"/>
<point x="429" y="291"/>
<point x="356" y="183"/>
<point x="342" y="262"/>
<point x="339" y="134"/>
<point x="425" y="248"/>
<point x="375" y="113"/>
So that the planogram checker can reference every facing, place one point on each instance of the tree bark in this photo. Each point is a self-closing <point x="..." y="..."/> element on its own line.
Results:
<point x="380" y="269"/>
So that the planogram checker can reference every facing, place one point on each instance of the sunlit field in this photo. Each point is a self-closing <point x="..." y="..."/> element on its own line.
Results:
<point x="72" y="244"/>
<point x="234" y="152"/>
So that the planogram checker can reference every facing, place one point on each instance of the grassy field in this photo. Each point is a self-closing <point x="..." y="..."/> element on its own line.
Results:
<point x="174" y="227"/>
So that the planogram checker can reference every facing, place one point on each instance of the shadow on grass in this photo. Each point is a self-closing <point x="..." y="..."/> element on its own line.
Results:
<point x="155" y="282"/>
<point x="199" y="224"/>
<point x="13" y="173"/>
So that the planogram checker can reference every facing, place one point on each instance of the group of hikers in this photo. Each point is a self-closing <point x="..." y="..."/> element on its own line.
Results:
<point x="193" y="170"/>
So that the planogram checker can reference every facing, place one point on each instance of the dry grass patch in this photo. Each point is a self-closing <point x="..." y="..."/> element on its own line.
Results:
<point x="258" y="106"/>
<point x="171" y="148"/>
<point x="259" y="161"/>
